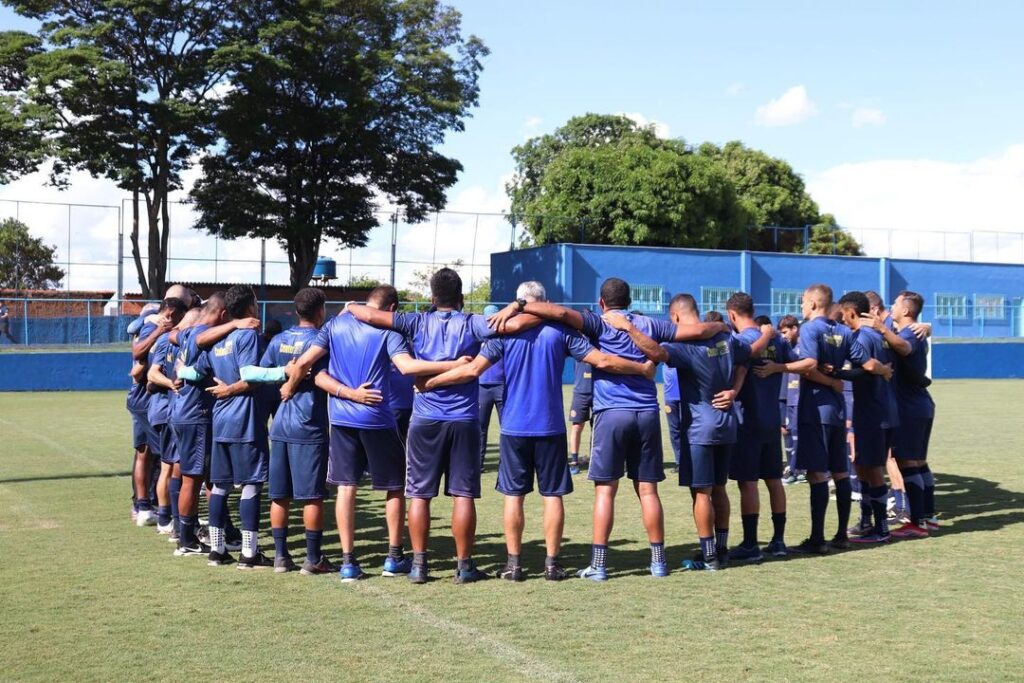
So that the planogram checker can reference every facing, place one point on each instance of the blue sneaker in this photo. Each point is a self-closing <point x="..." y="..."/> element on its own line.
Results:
<point x="659" y="569"/>
<point x="698" y="563"/>
<point x="593" y="573"/>
<point x="574" y="468"/>
<point x="351" y="572"/>
<point x="393" y="567"/>
<point x="418" y="574"/>
<point x="742" y="553"/>
<point x="776" y="549"/>
<point x="469" y="575"/>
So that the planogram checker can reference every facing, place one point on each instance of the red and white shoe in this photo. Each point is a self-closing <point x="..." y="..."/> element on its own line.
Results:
<point x="931" y="523"/>
<point x="909" y="530"/>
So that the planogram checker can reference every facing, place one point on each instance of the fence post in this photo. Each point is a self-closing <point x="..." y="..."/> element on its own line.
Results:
<point x="807" y="239"/>
<point x="394" y="244"/>
<point x="88" y="320"/>
<point x="24" y="308"/>
<point x="120" y="256"/>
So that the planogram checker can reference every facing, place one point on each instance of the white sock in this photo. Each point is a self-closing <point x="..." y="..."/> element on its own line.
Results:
<point x="217" y="540"/>
<point x="249" y="546"/>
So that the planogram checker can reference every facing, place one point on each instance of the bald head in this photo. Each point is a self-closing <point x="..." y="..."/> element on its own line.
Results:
<point x="180" y="292"/>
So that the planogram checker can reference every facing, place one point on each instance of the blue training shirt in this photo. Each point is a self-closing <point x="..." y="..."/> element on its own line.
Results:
<point x="360" y="353"/>
<point x="671" y="380"/>
<point x="402" y="389"/>
<point x="533" y="361"/>
<point x="759" y="397"/>
<point x="874" y="403"/>
<point x="444" y="336"/>
<point x="583" y="380"/>
<point x="827" y="342"/>
<point x="494" y="375"/>
<point x="913" y="401"/>
<point x="241" y="418"/>
<point x="138" y="397"/>
<point x="192" y="404"/>
<point x="302" y="418"/>
<point x="705" y="368"/>
<point x="629" y="392"/>
<point x="162" y="354"/>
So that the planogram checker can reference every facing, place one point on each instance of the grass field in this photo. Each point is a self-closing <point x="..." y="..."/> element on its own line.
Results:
<point x="86" y="596"/>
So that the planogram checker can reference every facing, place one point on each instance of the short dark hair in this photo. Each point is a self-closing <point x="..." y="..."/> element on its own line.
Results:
<point x="823" y="291"/>
<point x="685" y="301"/>
<point x="874" y="300"/>
<point x="215" y="302"/>
<point x="855" y="300"/>
<point x="615" y="293"/>
<point x="173" y="304"/>
<point x="239" y="299"/>
<point x="446" y="288"/>
<point x="385" y="297"/>
<point x="741" y="303"/>
<point x="762" y="320"/>
<point x="272" y="328"/>
<point x="309" y="302"/>
<point x="713" y="317"/>
<point x="915" y="302"/>
<point x="788" y="321"/>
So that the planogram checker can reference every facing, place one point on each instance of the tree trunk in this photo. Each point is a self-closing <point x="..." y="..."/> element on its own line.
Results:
<point x="302" y="254"/>
<point x="136" y="251"/>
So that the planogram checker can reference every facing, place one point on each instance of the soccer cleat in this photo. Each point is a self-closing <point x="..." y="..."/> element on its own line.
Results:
<point x="810" y="546"/>
<point x="165" y="529"/>
<point x="909" y="530"/>
<point x="870" y="539"/>
<point x="233" y="539"/>
<point x="351" y="572"/>
<point x="510" y="573"/>
<point x="723" y="557"/>
<point x="789" y="480"/>
<point x="283" y="565"/>
<point x="574" y="468"/>
<point x="659" y="569"/>
<point x="747" y="555"/>
<point x="863" y="528"/>
<point x="840" y="542"/>
<point x="215" y="559"/>
<point x="135" y="513"/>
<point x="174" y="536"/>
<point x="776" y="549"/>
<point x="324" y="566"/>
<point x="257" y="561"/>
<point x="931" y="523"/>
<point x="203" y="534"/>
<point x="593" y="573"/>
<point x="145" y="518"/>
<point x="192" y="550"/>
<point x="555" y="572"/>
<point x="418" y="574"/>
<point x="698" y="563"/>
<point x="393" y="567"/>
<point x="469" y="575"/>
<point x="801" y="478"/>
<point x="856" y="496"/>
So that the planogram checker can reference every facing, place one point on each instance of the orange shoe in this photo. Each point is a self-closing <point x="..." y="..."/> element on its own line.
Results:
<point x="909" y="531"/>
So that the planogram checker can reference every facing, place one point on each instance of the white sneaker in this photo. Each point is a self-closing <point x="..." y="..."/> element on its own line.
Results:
<point x="145" y="518"/>
<point x="165" y="529"/>
<point x="855" y="496"/>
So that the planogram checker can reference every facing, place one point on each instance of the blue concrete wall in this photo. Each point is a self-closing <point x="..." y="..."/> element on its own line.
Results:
<point x="978" y="360"/>
<point x="103" y="371"/>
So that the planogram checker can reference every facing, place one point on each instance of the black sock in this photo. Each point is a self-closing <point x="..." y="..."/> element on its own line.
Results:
<point x="348" y="558"/>
<point x="914" y="483"/>
<point x="778" y="526"/>
<point x="513" y="560"/>
<point x="844" y="504"/>
<point x="721" y="540"/>
<point x="929" y="491"/>
<point x="550" y="560"/>
<point x="395" y="552"/>
<point x="419" y="559"/>
<point x="819" y="505"/>
<point x="750" y="529"/>
<point x="466" y="564"/>
<point x="879" y="498"/>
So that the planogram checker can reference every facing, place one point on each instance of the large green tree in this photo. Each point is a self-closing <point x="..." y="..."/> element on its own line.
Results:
<point x="25" y="261"/>
<point x="127" y="86"/>
<point x="333" y="105"/>
<point x="23" y="124"/>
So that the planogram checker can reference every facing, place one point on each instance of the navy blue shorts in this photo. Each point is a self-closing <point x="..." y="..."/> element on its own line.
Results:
<point x="238" y="464"/>
<point x="402" y="417"/>
<point x="910" y="439"/>
<point x="446" y="448"/>
<point x="354" y="451"/>
<point x="627" y="442"/>
<point x="757" y="455"/>
<point x="140" y="431"/>
<point x="526" y="457"/>
<point x="192" y="443"/>
<point x="298" y="470"/>
<point x="822" y="448"/>
<point x="579" y="412"/>
<point x="702" y="466"/>
<point x="791" y="420"/>
<point x="673" y="415"/>
<point x="162" y="443"/>
<point x="873" y="446"/>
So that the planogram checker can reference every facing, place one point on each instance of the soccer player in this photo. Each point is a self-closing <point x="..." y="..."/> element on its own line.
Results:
<point x="579" y="411"/>
<point x="821" y="449"/>
<point x="673" y="414"/>
<point x="492" y="394"/>
<point x="162" y="383"/>
<point x="444" y="435"/>
<point x="240" y="450"/>
<point x="708" y="382"/>
<point x="758" y="451"/>
<point x="789" y="397"/>
<point x="627" y="427"/>
<point x="533" y="440"/>
<point x="401" y="397"/>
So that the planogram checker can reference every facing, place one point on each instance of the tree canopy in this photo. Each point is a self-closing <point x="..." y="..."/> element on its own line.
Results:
<point x="25" y="261"/>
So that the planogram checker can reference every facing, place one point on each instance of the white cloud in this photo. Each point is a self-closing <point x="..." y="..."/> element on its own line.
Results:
<point x="867" y="116"/>
<point x="531" y="127"/>
<point x="660" y="129"/>
<point x="921" y="208"/>
<point x="734" y="89"/>
<point x="792" y="107"/>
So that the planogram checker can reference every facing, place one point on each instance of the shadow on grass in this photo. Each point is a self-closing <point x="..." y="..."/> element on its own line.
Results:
<point x="65" y="477"/>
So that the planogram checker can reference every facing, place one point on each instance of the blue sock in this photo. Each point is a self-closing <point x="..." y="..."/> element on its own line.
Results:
<point x="914" y="482"/>
<point x="249" y="512"/>
<point x="901" y="499"/>
<point x="707" y="548"/>
<point x="313" y="540"/>
<point x="175" y="490"/>
<point x="929" y="491"/>
<point x="721" y="540"/>
<point x="218" y="510"/>
<point x="819" y="506"/>
<point x="657" y="553"/>
<point x="187" y="531"/>
<point x="280" y="535"/>
<point x="844" y="503"/>
<point x="598" y="554"/>
<point x="879" y="495"/>
<point x="163" y="515"/>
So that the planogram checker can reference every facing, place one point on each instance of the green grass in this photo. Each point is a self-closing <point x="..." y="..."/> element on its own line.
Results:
<point x="86" y="596"/>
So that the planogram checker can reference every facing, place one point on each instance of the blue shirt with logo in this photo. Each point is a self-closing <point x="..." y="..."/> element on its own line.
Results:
<point x="192" y="404"/>
<point x="874" y="402"/>
<point x="241" y="418"/>
<point x="827" y="342"/>
<point x="914" y="401"/>
<point x="759" y="397"/>
<point x="138" y="397"/>
<point x="302" y="418"/>
<point x="162" y="355"/>
<point x="583" y="380"/>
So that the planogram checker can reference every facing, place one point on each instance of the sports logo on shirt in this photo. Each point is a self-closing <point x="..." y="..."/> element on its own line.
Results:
<point x="719" y="349"/>
<point x="226" y="350"/>
<point x="835" y="340"/>
<point x="294" y="349"/>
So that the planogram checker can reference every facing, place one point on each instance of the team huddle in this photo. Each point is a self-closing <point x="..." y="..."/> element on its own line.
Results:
<point x="397" y="399"/>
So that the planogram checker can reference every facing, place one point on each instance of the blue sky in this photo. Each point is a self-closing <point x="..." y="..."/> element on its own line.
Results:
<point x="901" y="116"/>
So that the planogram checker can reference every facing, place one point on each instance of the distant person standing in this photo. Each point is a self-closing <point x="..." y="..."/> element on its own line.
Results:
<point x="492" y="393"/>
<point x="5" y="323"/>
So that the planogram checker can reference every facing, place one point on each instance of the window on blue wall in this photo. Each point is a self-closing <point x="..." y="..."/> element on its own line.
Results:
<point x="714" y="298"/>
<point x="787" y="301"/>
<point x="989" y="307"/>
<point x="951" y="306"/>
<point x="647" y="298"/>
